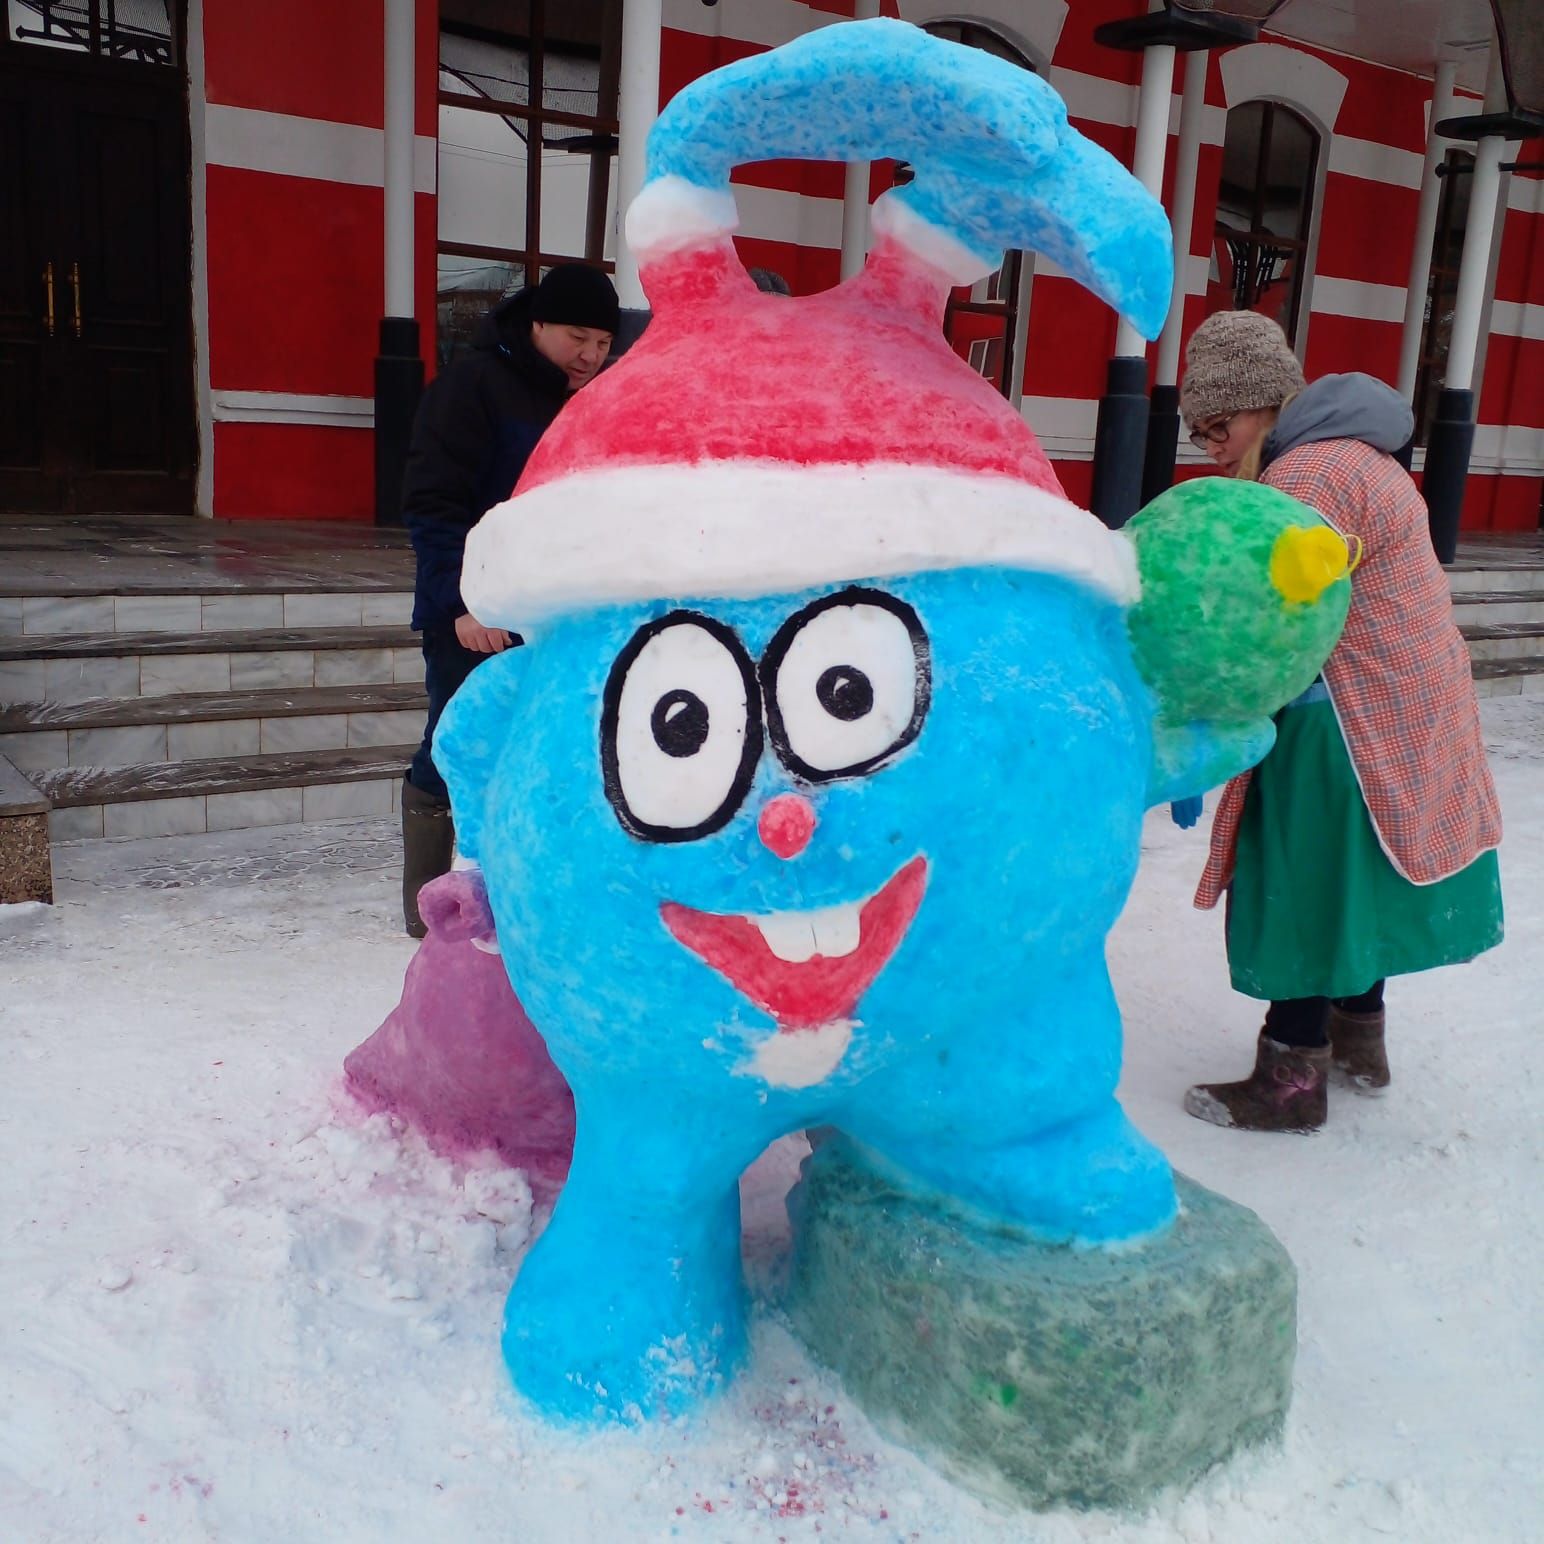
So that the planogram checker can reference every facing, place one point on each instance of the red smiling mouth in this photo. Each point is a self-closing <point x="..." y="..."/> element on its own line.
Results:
<point x="798" y="984"/>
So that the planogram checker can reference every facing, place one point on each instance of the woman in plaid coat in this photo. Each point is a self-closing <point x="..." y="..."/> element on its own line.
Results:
<point x="1363" y="846"/>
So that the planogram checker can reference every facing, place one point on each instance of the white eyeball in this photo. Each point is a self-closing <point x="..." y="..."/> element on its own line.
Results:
<point x="847" y="684"/>
<point x="680" y="728"/>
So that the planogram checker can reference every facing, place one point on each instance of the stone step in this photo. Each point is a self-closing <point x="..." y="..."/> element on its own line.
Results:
<point x="108" y="732"/>
<point x="1505" y="640"/>
<point x="1467" y="578"/>
<point x="71" y="667"/>
<point x="202" y="612"/>
<point x="1522" y="675"/>
<point x="1491" y="606"/>
<point x="223" y="793"/>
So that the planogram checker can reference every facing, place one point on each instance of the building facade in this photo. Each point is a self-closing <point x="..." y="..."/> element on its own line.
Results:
<point x="190" y="319"/>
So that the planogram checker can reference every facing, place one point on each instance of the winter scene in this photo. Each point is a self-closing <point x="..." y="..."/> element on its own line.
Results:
<point x="844" y="842"/>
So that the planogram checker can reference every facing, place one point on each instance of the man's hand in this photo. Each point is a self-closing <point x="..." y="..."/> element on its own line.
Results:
<point x="471" y="634"/>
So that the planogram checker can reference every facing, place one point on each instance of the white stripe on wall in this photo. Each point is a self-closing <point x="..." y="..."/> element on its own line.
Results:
<point x="308" y="147"/>
<point x="1517" y="319"/>
<point x="1509" y="448"/>
<point x="1525" y="193"/>
<point x="287" y="407"/>
<point x="1374" y="162"/>
<point x="1095" y="99"/>
<point x="1356" y="297"/>
<point x="773" y="214"/>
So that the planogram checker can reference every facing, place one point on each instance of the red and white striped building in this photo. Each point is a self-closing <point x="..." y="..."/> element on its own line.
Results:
<point x="1327" y="205"/>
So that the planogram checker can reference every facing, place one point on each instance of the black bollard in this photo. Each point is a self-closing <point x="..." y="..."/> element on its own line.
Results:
<point x="1162" y="442"/>
<point x="1448" y="444"/>
<point x="1120" y="442"/>
<point x="399" y="382"/>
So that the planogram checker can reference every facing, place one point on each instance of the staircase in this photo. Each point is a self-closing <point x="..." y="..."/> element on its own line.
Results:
<point x="1500" y="611"/>
<point x="158" y="714"/>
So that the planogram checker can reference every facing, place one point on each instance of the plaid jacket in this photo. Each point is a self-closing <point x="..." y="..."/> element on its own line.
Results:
<point x="1399" y="678"/>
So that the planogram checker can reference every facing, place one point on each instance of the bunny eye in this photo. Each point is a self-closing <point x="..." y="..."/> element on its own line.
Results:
<point x="847" y="683"/>
<point x="680" y="729"/>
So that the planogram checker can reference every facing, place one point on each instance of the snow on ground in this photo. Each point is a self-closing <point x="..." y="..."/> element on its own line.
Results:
<point x="232" y="1309"/>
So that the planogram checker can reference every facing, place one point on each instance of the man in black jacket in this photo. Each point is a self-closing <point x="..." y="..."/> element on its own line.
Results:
<point x="476" y="427"/>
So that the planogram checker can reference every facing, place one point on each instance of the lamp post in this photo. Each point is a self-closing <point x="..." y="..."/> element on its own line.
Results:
<point x="1514" y="109"/>
<point x="1163" y="415"/>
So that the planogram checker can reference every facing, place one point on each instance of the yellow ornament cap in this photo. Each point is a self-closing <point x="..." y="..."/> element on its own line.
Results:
<point x="1307" y="560"/>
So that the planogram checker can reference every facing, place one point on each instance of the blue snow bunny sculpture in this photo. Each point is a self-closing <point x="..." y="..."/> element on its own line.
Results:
<point x="817" y="786"/>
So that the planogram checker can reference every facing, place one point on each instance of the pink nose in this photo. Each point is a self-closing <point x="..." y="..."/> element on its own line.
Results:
<point x="786" y="825"/>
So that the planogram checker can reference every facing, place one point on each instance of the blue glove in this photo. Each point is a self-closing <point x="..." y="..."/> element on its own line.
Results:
<point x="1186" y="812"/>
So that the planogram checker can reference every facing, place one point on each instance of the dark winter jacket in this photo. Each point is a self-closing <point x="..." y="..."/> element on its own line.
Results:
<point x="476" y="427"/>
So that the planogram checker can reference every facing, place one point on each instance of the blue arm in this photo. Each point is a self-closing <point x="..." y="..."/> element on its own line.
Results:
<point x="1190" y="758"/>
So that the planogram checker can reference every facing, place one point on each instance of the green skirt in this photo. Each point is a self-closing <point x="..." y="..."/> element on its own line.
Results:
<point x="1316" y="909"/>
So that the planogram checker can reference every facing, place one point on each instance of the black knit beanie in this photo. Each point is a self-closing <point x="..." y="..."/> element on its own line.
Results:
<point x="578" y="296"/>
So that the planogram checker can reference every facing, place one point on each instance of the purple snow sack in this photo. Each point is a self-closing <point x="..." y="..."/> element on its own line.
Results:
<point x="457" y="1057"/>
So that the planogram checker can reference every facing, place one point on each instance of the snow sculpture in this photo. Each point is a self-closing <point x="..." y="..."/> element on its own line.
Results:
<point x="818" y="784"/>
<point x="458" y="1058"/>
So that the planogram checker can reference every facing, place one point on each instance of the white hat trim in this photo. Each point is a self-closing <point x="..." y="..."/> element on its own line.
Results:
<point x="746" y="528"/>
<point x="671" y="213"/>
<point x="934" y="245"/>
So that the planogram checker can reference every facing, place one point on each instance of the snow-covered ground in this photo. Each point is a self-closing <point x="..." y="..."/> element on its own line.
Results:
<point x="232" y="1309"/>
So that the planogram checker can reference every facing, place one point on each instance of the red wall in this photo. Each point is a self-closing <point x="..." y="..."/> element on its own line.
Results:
<point x="295" y="266"/>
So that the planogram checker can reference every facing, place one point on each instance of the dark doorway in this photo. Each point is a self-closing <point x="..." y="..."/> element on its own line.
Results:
<point x="96" y="351"/>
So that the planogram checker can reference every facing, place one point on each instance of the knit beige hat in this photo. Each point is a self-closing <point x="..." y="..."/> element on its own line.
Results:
<point x="1236" y="360"/>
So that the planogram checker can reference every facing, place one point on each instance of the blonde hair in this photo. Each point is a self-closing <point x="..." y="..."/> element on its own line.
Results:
<point x="1248" y="469"/>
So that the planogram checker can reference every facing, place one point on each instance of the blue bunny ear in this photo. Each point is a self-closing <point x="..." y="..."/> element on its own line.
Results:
<point x="996" y="163"/>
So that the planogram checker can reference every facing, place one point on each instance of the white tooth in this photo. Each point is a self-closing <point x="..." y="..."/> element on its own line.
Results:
<point x="788" y="935"/>
<point x="795" y="936"/>
<point x="836" y="929"/>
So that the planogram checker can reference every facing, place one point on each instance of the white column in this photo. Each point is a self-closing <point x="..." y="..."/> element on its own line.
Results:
<point x="638" y="93"/>
<point x="1187" y="156"/>
<point x="399" y="19"/>
<point x="1479" y="233"/>
<point x="1147" y="160"/>
<point x="855" y="188"/>
<point x="1442" y="106"/>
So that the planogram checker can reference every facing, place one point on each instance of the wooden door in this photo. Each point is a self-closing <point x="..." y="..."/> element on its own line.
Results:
<point x="96" y="360"/>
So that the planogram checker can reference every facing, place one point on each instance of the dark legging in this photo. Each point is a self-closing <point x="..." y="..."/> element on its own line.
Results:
<point x="1304" y="1021"/>
<point x="446" y="665"/>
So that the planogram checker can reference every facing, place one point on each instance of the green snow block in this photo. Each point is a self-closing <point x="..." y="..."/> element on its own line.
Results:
<point x="1036" y="1373"/>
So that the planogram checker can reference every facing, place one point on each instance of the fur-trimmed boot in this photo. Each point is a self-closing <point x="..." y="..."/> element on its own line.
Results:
<point x="1357" y="1049"/>
<point x="1285" y="1092"/>
<point x="428" y="844"/>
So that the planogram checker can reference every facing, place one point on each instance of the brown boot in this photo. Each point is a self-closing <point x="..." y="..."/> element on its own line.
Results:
<point x="1356" y="1048"/>
<point x="1285" y="1092"/>
<point x="428" y="844"/>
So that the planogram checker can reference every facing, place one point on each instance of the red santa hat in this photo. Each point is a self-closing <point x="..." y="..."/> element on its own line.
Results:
<point x="755" y="444"/>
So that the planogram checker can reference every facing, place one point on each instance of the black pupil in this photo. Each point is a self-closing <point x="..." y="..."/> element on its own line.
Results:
<point x="845" y="692"/>
<point x="680" y="723"/>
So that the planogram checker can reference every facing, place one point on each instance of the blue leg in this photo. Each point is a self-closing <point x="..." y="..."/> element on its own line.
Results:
<point x="631" y="1305"/>
<point x="1017" y="1120"/>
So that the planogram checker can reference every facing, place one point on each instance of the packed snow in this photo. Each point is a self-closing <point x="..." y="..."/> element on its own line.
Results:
<point x="232" y="1307"/>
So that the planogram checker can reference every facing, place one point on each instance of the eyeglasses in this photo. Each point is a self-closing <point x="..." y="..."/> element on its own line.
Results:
<point x="1213" y="434"/>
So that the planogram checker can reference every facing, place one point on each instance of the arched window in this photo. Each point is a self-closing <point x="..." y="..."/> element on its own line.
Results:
<point x="1447" y="246"/>
<point x="984" y="323"/>
<point x="1264" y="207"/>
